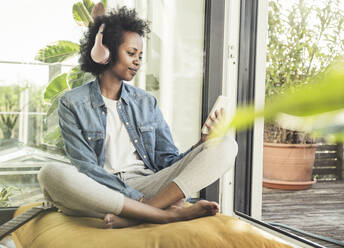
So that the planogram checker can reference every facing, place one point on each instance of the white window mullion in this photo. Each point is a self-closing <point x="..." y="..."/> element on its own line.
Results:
<point x="229" y="88"/>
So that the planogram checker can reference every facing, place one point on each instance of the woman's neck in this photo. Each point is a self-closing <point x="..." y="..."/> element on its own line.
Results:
<point x="110" y="87"/>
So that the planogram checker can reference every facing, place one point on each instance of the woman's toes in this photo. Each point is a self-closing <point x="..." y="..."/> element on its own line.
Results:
<point x="109" y="218"/>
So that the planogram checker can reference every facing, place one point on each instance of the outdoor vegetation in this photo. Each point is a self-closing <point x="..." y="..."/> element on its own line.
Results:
<point x="9" y="103"/>
<point x="303" y="40"/>
<point x="59" y="52"/>
<point x="5" y="193"/>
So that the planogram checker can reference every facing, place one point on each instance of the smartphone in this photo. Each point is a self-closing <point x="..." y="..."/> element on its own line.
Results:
<point x="221" y="102"/>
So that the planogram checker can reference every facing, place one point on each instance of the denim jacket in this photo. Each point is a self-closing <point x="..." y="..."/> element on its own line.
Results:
<point x="82" y="119"/>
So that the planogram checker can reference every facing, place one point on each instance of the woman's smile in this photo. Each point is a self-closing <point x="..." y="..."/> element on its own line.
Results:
<point x="133" y="71"/>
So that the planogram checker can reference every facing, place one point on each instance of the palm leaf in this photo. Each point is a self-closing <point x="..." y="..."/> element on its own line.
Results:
<point x="57" y="52"/>
<point x="81" y="14"/>
<point x="55" y="88"/>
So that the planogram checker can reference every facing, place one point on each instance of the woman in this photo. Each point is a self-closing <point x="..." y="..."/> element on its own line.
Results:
<point x="126" y="167"/>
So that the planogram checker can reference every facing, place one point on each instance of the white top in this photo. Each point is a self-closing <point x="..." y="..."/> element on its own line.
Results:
<point x="120" y="153"/>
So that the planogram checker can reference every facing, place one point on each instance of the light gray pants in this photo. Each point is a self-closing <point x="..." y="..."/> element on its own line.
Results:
<point x="76" y="194"/>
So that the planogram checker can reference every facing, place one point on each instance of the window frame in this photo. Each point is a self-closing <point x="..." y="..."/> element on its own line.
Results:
<point x="214" y="25"/>
<point x="246" y="93"/>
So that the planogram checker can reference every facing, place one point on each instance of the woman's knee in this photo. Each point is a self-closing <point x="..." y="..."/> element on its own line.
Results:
<point x="51" y="173"/>
<point x="45" y="174"/>
<point x="223" y="145"/>
<point x="225" y="148"/>
<point x="232" y="145"/>
<point x="55" y="181"/>
<point x="229" y="150"/>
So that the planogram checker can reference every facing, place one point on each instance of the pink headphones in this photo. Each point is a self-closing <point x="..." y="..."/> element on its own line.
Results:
<point x="100" y="53"/>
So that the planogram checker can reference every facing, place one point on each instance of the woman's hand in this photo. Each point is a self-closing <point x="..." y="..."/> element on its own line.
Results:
<point x="219" y="115"/>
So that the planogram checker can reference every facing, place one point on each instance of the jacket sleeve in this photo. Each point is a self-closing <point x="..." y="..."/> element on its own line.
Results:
<point x="83" y="156"/>
<point x="166" y="153"/>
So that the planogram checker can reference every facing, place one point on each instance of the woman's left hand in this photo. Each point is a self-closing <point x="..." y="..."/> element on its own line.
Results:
<point x="219" y="115"/>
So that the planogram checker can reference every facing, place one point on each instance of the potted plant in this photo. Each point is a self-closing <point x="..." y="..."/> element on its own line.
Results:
<point x="303" y="41"/>
<point x="288" y="158"/>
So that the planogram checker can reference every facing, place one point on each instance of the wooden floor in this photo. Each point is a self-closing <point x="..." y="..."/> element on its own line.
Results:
<point x="319" y="210"/>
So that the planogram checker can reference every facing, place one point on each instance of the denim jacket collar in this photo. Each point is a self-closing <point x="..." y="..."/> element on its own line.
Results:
<point x="96" y="95"/>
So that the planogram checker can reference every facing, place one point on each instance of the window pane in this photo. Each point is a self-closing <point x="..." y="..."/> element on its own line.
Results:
<point x="302" y="175"/>
<point x="23" y="122"/>
<point x="174" y="64"/>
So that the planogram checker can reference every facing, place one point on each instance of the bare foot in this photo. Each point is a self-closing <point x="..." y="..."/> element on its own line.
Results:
<point x="199" y="209"/>
<point x="174" y="213"/>
<point x="114" y="221"/>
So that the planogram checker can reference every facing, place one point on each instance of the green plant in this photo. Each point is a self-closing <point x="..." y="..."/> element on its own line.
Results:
<point x="5" y="193"/>
<point x="9" y="102"/>
<point x="302" y="41"/>
<point x="10" y="106"/>
<point x="59" y="52"/>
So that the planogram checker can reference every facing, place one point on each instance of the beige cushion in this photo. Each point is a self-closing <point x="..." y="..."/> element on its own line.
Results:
<point x="53" y="229"/>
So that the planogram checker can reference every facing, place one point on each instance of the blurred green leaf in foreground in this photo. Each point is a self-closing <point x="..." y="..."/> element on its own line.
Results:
<point x="319" y="103"/>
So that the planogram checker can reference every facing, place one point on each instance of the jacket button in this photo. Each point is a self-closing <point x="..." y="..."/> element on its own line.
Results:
<point x="135" y="141"/>
<point x="144" y="156"/>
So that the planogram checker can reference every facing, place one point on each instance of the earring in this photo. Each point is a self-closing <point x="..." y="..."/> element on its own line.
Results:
<point x="100" y="53"/>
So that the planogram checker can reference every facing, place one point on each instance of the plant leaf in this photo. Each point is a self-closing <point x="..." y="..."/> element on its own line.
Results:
<point x="104" y="3"/>
<point x="53" y="135"/>
<point x="57" y="52"/>
<point x="89" y="5"/>
<point x="54" y="105"/>
<point x="324" y="95"/>
<point x="54" y="138"/>
<point x="81" y="14"/>
<point x="56" y="87"/>
<point x="77" y="77"/>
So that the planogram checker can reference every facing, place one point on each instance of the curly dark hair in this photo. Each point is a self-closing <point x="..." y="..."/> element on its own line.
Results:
<point x="116" y="23"/>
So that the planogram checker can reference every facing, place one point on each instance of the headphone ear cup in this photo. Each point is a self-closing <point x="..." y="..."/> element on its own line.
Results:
<point x="100" y="53"/>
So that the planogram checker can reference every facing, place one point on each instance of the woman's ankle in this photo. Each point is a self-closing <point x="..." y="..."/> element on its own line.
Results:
<point x="171" y="215"/>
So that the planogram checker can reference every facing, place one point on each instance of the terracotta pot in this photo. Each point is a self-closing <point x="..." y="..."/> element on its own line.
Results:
<point x="288" y="166"/>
